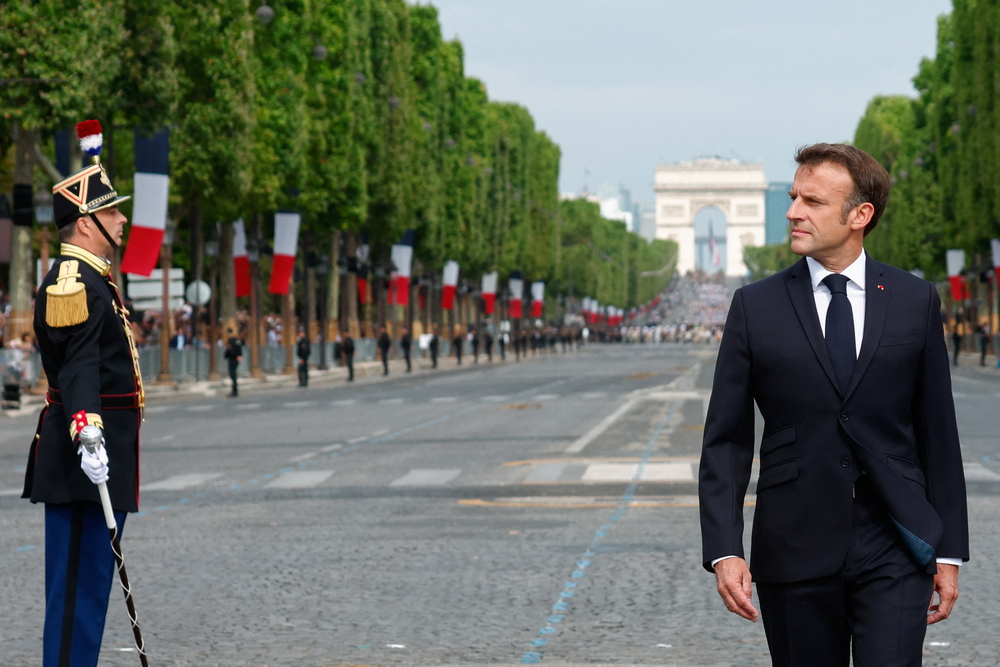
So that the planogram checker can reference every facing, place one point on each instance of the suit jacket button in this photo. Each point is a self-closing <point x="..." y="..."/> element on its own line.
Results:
<point x="843" y="416"/>
<point x="845" y="462"/>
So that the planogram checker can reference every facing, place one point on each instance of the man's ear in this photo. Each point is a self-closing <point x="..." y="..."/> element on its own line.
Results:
<point x="861" y="215"/>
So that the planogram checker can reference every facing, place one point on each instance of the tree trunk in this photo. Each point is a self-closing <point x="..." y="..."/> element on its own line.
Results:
<point x="351" y="296"/>
<point x="332" y="307"/>
<point x="21" y="264"/>
<point x="227" y="282"/>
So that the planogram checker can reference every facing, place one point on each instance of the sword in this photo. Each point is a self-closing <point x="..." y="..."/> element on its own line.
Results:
<point x="92" y="438"/>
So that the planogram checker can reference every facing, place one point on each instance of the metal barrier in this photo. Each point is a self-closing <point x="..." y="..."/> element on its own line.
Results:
<point x="18" y="368"/>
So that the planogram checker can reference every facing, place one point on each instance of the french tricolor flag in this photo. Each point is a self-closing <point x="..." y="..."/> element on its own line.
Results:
<point x="537" y="298"/>
<point x="955" y="260"/>
<point x="402" y="259"/>
<point x="516" y="285"/>
<point x="149" y="208"/>
<point x="241" y="263"/>
<point x="286" y="242"/>
<point x="361" y="254"/>
<point x="995" y="246"/>
<point x="489" y="290"/>
<point x="450" y="284"/>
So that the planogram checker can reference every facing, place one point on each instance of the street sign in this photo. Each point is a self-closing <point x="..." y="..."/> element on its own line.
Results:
<point x="146" y="293"/>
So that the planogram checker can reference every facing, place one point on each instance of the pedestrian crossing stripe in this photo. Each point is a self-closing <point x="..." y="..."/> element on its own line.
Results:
<point x="299" y="479"/>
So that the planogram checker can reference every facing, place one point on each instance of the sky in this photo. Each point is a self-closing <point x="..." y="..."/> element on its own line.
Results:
<point x="625" y="85"/>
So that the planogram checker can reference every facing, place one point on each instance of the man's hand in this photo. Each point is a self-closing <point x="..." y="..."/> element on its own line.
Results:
<point x="946" y="588"/>
<point x="732" y="578"/>
<point x="94" y="465"/>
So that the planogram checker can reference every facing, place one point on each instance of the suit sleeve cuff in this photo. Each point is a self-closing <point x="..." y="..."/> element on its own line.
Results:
<point x="725" y="557"/>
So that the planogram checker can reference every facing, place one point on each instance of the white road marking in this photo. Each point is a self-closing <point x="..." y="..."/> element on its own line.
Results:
<point x="381" y="431"/>
<point x="390" y="401"/>
<point x="546" y="397"/>
<point x="444" y="399"/>
<point x="493" y="399"/>
<point x="249" y="406"/>
<point x="600" y="428"/>
<point x="180" y="482"/>
<point x="200" y="408"/>
<point x="349" y="401"/>
<point x="10" y="492"/>
<point x="304" y="479"/>
<point x="427" y="477"/>
<point x="332" y="448"/>
<point x="627" y="472"/>
<point x="590" y="395"/>
<point x="299" y="404"/>
<point x="360" y="438"/>
<point x="157" y="409"/>
<point x="546" y="472"/>
<point x="302" y="457"/>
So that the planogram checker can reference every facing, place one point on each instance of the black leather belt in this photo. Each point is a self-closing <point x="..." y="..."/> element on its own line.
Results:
<point x="108" y="401"/>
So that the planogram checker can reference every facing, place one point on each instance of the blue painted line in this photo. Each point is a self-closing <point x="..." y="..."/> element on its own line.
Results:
<point x="28" y="547"/>
<point x="583" y="560"/>
<point x="139" y="515"/>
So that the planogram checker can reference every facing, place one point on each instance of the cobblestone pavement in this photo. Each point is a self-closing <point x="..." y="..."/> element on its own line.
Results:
<point x="519" y="513"/>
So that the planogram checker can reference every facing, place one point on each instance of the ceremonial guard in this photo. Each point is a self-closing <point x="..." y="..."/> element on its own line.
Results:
<point x="89" y="356"/>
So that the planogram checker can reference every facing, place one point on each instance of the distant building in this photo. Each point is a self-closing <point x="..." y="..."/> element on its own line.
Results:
<point x="777" y="203"/>
<point x="647" y="222"/>
<point x="712" y="208"/>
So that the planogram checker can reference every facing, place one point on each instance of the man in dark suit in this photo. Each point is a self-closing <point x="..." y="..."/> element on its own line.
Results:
<point x="860" y="515"/>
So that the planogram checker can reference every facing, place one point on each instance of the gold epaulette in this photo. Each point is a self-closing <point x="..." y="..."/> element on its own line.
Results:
<point x="67" y="299"/>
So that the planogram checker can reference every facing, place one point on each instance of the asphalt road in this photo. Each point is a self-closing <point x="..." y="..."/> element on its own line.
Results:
<point x="541" y="512"/>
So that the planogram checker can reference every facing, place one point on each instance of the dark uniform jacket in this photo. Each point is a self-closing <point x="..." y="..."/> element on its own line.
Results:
<point x="89" y="356"/>
<point x="896" y="423"/>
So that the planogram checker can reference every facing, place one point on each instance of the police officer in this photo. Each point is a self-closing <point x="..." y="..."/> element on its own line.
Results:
<point x="406" y="345"/>
<point x="89" y="356"/>
<point x="233" y="354"/>
<point x="302" y="350"/>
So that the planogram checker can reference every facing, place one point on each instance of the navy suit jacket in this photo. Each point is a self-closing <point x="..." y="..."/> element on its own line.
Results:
<point x="896" y="423"/>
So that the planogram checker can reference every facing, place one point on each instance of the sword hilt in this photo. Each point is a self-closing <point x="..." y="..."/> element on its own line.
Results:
<point x="91" y="437"/>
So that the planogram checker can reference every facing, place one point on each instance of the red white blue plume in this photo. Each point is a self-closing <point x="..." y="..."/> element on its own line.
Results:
<point x="91" y="139"/>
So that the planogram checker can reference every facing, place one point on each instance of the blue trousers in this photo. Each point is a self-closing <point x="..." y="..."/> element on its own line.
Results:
<point x="79" y="573"/>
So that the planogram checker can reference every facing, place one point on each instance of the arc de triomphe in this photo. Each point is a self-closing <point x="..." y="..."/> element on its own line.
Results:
<point x="712" y="208"/>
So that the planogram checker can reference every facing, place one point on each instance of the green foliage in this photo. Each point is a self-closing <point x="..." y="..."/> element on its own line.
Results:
<point x="357" y="113"/>
<point x="599" y="258"/>
<point x="768" y="259"/>
<point x="942" y="149"/>
<point x="58" y="59"/>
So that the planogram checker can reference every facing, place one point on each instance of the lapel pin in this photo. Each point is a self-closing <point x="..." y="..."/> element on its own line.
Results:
<point x="881" y="287"/>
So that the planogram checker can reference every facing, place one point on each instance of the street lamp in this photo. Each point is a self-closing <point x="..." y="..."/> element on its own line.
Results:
<point x="253" y="256"/>
<point x="166" y="250"/>
<point x="212" y="252"/>
<point x="264" y="13"/>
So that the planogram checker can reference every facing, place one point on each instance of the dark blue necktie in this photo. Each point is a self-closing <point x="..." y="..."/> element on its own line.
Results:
<point x="840" y="330"/>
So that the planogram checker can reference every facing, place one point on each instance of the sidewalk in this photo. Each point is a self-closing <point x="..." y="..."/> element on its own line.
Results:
<point x="364" y="371"/>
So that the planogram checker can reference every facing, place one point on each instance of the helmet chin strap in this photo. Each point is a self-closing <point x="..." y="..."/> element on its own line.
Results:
<point x="93" y="216"/>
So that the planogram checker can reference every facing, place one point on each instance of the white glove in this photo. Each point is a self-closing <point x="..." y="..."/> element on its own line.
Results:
<point x="95" y="465"/>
